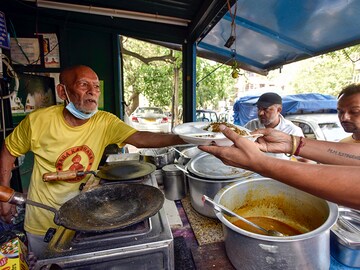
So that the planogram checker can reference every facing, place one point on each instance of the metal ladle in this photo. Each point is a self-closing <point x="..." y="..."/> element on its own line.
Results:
<point x="181" y="153"/>
<point x="224" y="210"/>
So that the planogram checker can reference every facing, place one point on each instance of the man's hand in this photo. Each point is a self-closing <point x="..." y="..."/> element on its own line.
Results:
<point x="244" y="153"/>
<point x="7" y="212"/>
<point x="273" y="141"/>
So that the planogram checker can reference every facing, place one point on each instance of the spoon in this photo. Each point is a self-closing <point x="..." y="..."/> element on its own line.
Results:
<point x="224" y="210"/>
<point x="181" y="169"/>
<point x="181" y="153"/>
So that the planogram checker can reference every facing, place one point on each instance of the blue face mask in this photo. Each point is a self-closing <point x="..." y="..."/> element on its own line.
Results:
<point x="75" y="112"/>
<point x="79" y="114"/>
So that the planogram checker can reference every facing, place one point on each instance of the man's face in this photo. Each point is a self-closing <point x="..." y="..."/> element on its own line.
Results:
<point x="349" y="113"/>
<point x="269" y="116"/>
<point x="84" y="91"/>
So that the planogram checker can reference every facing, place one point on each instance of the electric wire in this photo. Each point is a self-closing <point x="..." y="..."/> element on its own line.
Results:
<point x="211" y="72"/>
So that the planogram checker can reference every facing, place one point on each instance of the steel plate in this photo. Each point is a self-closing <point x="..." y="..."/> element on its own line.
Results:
<point x="126" y="170"/>
<point x="208" y="166"/>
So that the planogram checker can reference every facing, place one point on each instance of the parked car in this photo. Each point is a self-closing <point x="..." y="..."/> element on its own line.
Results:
<point x="322" y="126"/>
<point x="227" y="116"/>
<point x="206" y="116"/>
<point x="150" y="119"/>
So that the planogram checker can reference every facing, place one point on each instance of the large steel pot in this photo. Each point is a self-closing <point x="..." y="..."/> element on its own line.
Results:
<point x="267" y="197"/>
<point x="208" y="187"/>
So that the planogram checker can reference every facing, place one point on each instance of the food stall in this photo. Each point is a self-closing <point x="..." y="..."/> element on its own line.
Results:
<point x="283" y="36"/>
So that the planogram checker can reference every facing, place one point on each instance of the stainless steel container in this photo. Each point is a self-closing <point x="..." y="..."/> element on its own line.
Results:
<point x="175" y="186"/>
<point x="208" y="187"/>
<point x="248" y="250"/>
<point x="345" y="237"/>
<point x="159" y="176"/>
<point x="158" y="156"/>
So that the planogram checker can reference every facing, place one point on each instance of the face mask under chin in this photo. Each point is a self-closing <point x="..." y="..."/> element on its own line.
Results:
<point x="75" y="112"/>
<point x="79" y="114"/>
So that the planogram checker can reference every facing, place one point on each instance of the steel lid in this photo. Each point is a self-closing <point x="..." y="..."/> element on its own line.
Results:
<point x="208" y="166"/>
<point x="347" y="227"/>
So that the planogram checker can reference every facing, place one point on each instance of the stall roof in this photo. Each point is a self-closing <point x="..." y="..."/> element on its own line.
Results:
<point x="272" y="33"/>
<point x="268" y="33"/>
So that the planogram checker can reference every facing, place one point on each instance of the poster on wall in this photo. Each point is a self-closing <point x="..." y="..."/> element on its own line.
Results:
<point x="25" y="51"/>
<point x="34" y="92"/>
<point x="51" y="50"/>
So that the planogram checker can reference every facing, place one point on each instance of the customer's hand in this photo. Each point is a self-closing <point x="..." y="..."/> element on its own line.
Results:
<point x="244" y="153"/>
<point x="273" y="141"/>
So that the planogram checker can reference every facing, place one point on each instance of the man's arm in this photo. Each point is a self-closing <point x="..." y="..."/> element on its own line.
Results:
<point x="7" y="160"/>
<point x="339" y="184"/>
<point x="6" y="165"/>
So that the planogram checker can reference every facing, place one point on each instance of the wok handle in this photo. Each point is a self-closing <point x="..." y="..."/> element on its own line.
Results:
<point x="62" y="175"/>
<point x="6" y="193"/>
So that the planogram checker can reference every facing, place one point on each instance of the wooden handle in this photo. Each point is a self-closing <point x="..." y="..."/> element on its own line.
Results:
<point x="6" y="193"/>
<point x="55" y="176"/>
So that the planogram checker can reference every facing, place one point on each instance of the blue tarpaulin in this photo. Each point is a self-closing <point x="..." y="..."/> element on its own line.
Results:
<point x="245" y="109"/>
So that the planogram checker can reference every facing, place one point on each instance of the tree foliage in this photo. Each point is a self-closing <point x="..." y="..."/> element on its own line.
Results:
<point x="328" y="73"/>
<point x="214" y="83"/>
<point x="155" y="72"/>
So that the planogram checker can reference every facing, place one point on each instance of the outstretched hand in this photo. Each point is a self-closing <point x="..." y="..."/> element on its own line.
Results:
<point x="273" y="141"/>
<point x="244" y="153"/>
<point x="247" y="154"/>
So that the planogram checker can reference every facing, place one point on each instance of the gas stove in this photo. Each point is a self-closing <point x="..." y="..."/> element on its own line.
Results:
<point x="145" y="245"/>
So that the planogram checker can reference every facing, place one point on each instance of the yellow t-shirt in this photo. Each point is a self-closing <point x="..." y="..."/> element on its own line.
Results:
<point x="349" y="140"/>
<point x="60" y="147"/>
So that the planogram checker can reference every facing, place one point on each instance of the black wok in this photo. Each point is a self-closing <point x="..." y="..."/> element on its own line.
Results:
<point x="105" y="208"/>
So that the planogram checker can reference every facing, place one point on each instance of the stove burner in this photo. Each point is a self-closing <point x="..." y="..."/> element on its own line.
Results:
<point x="89" y="238"/>
<point x="145" y="245"/>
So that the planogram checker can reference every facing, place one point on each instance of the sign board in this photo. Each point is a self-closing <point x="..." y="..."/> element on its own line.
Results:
<point x="4" y="40"/>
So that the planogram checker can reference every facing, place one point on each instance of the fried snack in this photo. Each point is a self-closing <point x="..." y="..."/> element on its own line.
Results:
<point x="215" y="127"/>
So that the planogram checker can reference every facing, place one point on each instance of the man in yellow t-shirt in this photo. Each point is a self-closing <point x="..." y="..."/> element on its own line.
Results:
<point x="348" y="108"/>
<point x="70" y="137"/>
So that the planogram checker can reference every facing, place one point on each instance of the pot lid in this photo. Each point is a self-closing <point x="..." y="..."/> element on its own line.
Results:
<point x="347" y="227"/>
<point x="208" y="166"/>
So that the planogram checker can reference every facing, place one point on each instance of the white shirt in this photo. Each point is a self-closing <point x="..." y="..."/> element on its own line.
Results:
<point x="284" y="125"/>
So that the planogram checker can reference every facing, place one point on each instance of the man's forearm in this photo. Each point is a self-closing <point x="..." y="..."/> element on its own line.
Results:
<point x="338" y="184"/>
<point x="331" y="152"/>
<point x="6" y="165"/>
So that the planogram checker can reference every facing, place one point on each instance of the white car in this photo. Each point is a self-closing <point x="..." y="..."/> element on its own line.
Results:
<point x="322" y="126"/>
<point x="150" y="119"/>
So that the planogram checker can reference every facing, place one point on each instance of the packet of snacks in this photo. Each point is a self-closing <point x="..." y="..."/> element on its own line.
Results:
<point x="13" y="255"/>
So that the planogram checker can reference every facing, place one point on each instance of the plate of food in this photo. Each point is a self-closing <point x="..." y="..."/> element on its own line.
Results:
<point x="201" y="133"/>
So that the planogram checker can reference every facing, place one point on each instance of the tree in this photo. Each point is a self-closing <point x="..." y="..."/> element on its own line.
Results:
<point x="215" y="83"/>
<point x="328" y="73"/>
<point x="155" y="72"/>
<point x="147" y="75"/>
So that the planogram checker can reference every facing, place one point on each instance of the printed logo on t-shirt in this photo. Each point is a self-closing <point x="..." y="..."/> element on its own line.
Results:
<point x="78" y="158"/>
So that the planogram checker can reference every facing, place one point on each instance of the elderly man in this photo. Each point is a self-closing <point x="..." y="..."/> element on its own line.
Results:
<point x="269" y="116"/>
<point x="63" y="137"/>
<point x="348" y="108"/>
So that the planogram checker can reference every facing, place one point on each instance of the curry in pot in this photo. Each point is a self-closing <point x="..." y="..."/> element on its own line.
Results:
<point x="269" y="224"/>
<point x="278" y="212"/>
